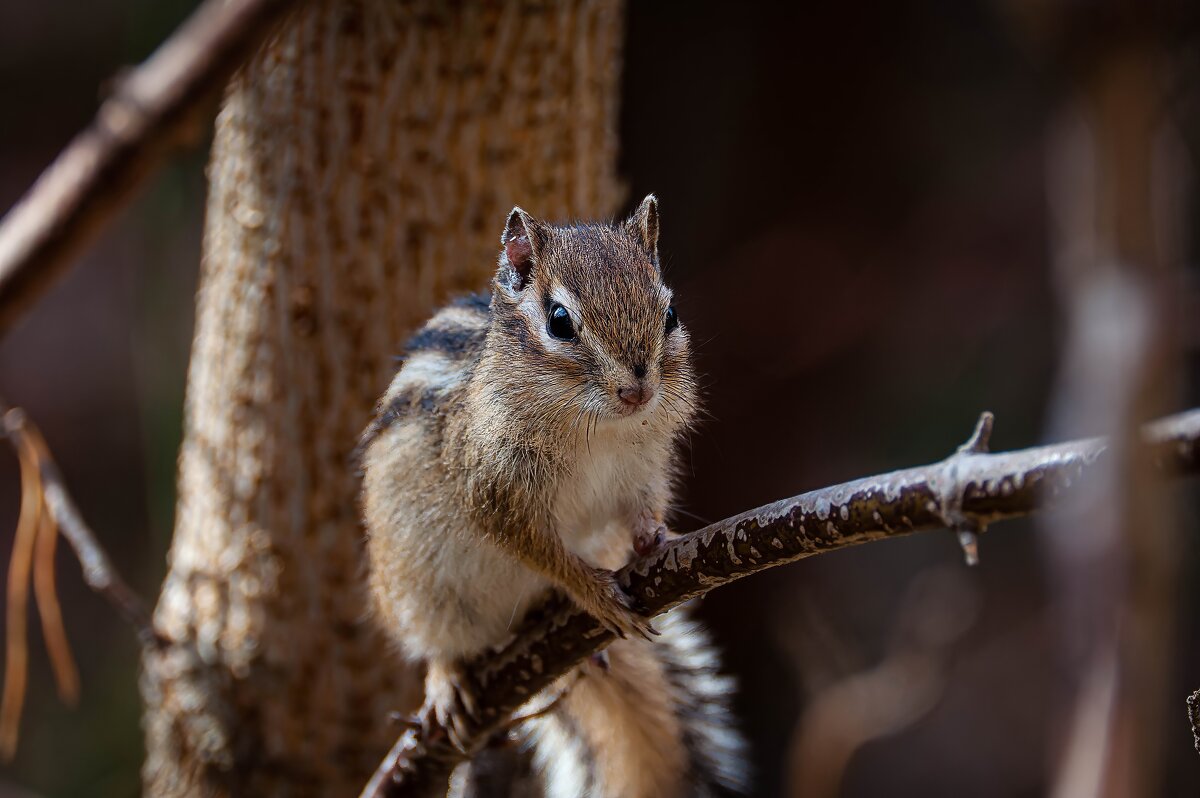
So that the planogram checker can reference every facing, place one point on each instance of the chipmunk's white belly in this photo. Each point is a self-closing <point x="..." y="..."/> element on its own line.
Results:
<point x="599" y="499"/>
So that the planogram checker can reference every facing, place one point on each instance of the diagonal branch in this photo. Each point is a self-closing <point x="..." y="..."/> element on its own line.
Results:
<point x="153" y="110"/>
<point x="970" y="485"/>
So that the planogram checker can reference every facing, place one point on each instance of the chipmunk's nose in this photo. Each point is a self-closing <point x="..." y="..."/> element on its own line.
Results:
<point x="634" y="395"/>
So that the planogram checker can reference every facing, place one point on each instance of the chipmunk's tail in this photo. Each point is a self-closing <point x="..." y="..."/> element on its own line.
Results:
<point x="652" y="723"/>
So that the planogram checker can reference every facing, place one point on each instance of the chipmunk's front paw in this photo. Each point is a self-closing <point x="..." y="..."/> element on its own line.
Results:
<point x="648" y="534"/>
<point x="610" y="605"/>
<point x="449" y="704"/>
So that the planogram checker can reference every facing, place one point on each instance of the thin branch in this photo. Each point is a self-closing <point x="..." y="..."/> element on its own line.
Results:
<point x="979" y="486"/>
<point x="154" y="109"/>
<point x="98" y="570"/>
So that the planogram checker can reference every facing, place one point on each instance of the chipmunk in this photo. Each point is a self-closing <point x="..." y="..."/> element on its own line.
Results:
<point x="528" y="442"/>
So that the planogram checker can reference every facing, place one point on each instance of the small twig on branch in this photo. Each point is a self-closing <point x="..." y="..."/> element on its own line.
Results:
<point x="154" y="109"/>
<point x="982" y="487"/>
<point x="966" y="528"/>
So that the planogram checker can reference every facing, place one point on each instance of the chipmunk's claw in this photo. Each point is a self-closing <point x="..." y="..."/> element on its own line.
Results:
<point x="611" y="606"/>
<point x="407" y="719"/>
<point x="450" y="704"/>
<point x="649" y="534"/>
<point x="650" y="540"/>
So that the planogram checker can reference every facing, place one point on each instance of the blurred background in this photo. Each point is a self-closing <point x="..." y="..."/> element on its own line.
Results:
<point x="856" y="223"/>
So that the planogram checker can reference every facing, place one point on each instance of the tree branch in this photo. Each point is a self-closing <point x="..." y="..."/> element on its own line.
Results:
<point x="153" y="109"/>
<point x="970" y="484"/>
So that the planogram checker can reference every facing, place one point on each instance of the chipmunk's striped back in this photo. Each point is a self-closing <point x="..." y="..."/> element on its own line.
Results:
<point x="438" y="360"/>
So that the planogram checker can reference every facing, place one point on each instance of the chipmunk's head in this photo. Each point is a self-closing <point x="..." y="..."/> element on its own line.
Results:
<point x="582" y="313"/>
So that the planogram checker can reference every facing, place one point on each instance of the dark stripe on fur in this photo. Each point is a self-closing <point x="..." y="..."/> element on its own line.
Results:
<point x="699" y="708"/>
<point x="399" y="408"/>
<point x="459" y="342"/>
<point x="481" y="302"/>
<point x="583" y="749"/>
<point x="454" y="341"/>
<point x="515" y="327"/>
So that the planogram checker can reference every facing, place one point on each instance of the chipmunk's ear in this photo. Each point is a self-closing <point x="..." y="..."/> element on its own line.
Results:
<point x="643" y="224"/>
<point x="523" y="240"/>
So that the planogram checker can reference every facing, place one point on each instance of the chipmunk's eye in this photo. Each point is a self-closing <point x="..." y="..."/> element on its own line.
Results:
<point x="559" y="324"/>
<point x="672" y="319"/>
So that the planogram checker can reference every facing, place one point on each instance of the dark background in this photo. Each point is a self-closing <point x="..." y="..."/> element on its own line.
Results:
<point x="855" y="223"/>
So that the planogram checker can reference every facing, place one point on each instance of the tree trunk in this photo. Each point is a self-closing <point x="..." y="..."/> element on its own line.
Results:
<point x="361" y="171"/>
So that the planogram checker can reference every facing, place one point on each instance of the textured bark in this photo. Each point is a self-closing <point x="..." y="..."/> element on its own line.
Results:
<point x="362" y="168"/>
